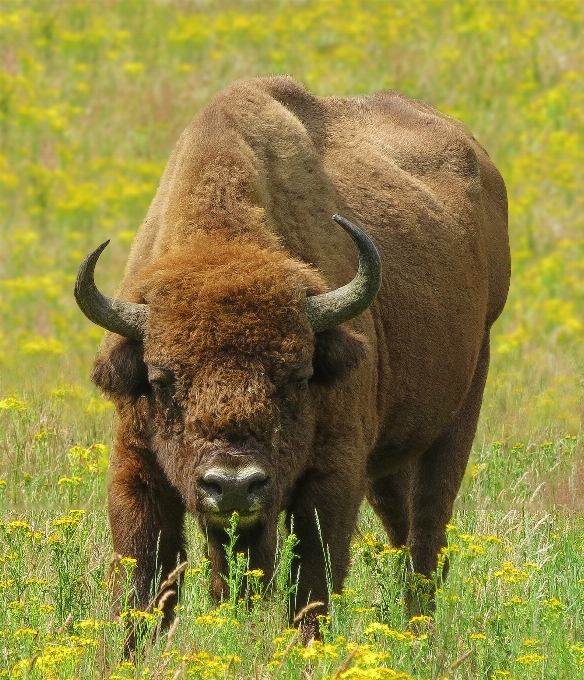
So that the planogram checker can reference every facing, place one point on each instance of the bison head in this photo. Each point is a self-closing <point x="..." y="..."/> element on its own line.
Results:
<point x="217" y="369"/>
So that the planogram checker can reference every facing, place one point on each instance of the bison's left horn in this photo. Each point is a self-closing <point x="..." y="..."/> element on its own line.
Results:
<point x="124" y="318"/>
<point x="331" y="309"/>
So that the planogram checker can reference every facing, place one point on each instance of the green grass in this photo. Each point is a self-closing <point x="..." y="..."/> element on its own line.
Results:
<point x="514" y="591"/>
<point x="92" y="99"/>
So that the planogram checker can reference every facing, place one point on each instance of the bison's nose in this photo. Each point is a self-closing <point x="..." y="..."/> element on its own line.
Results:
<point x="243" y="490"/>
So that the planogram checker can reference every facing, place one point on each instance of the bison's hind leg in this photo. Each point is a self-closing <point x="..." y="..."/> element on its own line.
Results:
<point x="438" y="473"/>
<point x="415" y="504"/>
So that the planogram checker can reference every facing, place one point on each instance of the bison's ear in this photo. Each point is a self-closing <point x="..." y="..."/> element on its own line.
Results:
<point x="337" y="352"/>
<point x="119" y="369"/>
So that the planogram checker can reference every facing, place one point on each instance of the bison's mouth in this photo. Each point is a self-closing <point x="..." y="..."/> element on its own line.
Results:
<point x="222" y="520"/>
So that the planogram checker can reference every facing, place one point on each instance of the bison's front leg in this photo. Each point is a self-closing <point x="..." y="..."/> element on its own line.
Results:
<point x="437" y="476"/>
<point x="146" y="515"/>
<point x="323" y="515"/>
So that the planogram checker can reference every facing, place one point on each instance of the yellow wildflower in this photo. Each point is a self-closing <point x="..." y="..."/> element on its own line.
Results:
<point x="530" y="658"/>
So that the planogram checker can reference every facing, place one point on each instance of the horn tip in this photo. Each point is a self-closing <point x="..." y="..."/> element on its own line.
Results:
<point x="345" y="223"/>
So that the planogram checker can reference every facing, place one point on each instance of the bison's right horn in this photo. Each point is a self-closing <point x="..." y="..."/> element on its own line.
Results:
<point x="124" y="318"/>
<point x="331" y="309"/>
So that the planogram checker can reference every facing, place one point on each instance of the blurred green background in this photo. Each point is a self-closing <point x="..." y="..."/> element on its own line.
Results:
<point x="94" y="95"/>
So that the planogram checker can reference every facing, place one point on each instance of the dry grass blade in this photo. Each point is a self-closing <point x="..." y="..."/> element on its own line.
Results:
<point x="287" y="651"/>
<point x="162" y="594"/>
<point x="33" y="661"/>
<point x="65" y="625"/>
<point x="309" y="607"/>
<point x="158" y="673"/>
<point x="161" y="668"/>
<point x="460" y="661"/>
<point x="171" y="633"/>
<point x="229" y="667"/>
<point x="164" y="598"/>
<point x="180" y="672"/>
<point x="113" y="566"/>
<point x="169" y="581"/>
<point x="346" y="663"/>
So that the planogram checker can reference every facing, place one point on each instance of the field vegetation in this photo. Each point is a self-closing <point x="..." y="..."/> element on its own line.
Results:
<point x="93" y="95"/>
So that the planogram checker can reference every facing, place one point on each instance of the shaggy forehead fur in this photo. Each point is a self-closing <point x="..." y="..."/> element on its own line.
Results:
<point x="228" y="302"/>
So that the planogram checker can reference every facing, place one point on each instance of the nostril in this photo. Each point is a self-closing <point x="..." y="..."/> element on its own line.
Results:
<point x="210" y="488"/>
<point x="258" y="486"/>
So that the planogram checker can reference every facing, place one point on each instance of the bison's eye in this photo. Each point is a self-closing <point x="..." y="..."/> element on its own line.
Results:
<point x="160" y="378"/>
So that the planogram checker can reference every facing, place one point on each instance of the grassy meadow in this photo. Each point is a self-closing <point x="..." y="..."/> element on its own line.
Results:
<point x="93" y="96"/>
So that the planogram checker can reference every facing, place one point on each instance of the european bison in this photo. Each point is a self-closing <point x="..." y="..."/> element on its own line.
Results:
<point x="242" y="383"/>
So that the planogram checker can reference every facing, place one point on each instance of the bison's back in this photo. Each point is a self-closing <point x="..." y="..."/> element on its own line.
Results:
<point x="428" y="171"/>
